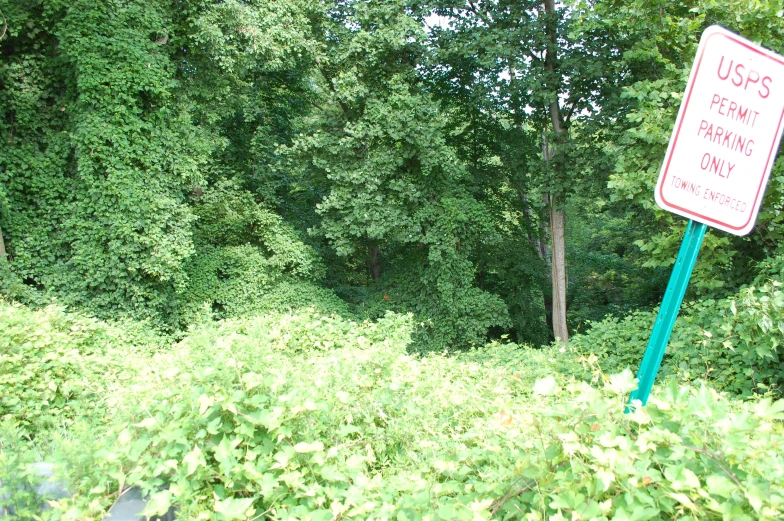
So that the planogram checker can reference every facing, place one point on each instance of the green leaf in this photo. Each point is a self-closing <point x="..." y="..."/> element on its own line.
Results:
<point x="193" y="459"/>
<point x="720" y="485"/>
<point x="768" y="409"/>
<point x="331" y="473"/>
<point x="546" y="386"/>
<point x="303" y="447"/>
<point x="233" y="508"/>
<point x="622" y="383"/>
<point x="159" y="504"/>
<point x="755" y="497"/>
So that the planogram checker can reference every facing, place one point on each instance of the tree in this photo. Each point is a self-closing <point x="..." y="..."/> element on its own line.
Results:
<point x="387" y="187"/>
<point x="498" y="155"/>
<point x="549" y="66"/>
<point x="95" y="156"/>
<point x="664" y="38"/>
<point x="113" y="116"/>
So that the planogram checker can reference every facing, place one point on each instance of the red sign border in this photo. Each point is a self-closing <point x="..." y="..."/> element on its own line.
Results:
<point x="774" y="145"/>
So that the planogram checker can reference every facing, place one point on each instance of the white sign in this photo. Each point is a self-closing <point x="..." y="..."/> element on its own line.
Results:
<point x="725" y="139"/>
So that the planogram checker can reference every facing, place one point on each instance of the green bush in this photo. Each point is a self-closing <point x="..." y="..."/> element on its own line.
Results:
<point x="250" y="261"/>
<point x="310" y="416"/>
<point x="733" y="342"/>
<point x="16" y="481"/>
<point x="528" y="362"/>
<point x="450" y="312"/>
<point x="57" y="366"/>
<point x="13" y="288"/>
<point x="305" y="416"/>
<point x="619" y="342"/>
<point x="237" y="281"/>
<point x="97" y="155"/>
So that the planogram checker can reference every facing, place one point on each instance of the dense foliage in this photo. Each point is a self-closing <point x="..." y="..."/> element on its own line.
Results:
<point x="52" y="361"/>
<point x="736" y="342"/>
<point x="249" y="261"/>
<point x="174" y="161"/>
<point x="306" y="259"/>
<point x="307" y="416"/>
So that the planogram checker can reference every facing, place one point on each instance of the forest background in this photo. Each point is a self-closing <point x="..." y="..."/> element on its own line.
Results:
<point x="309" y="259"/>
<point x="172" y="161"/>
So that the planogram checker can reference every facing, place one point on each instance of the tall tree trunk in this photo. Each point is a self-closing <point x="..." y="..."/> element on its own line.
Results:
<point x="557" y="218"/>
<point x="374" y="261"/>
<point x="557" y="318"/>
<point x="544" y="253"/>
<point x="558" y="261"/>
<point x="2" y="246"/>
<point x="538" y="241"/>
<point x="558" y="265"/>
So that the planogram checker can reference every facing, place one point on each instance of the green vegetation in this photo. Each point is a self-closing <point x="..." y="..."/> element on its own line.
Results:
<point x="733" y="342"/>
<point x="307" y="416"/>
<point x="310" y="259"/>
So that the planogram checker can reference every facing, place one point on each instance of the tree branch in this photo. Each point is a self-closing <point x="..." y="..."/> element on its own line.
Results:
<point x="716" y="459"/>
<point x="568" y="113"/>
<point x="2" y="246"/>
<point x="473" y="9"/>
<point x="498" y="503"/>
<point x="5" y="26"/>
<point x="327" y="77"/>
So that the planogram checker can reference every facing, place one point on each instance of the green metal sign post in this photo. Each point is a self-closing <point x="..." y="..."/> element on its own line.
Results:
<point x="671" y="304"/>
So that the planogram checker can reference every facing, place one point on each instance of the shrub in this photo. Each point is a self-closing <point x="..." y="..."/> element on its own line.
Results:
<point x="237" y="281"/>
<point x="733" y="342"/>
<point x="310" y="416"/>
<point x="250" y="261"/>
<point x="305" y="416"/>
<point x="57" y="366"/>
<point x="13" y="288"/>
<point x="529" y="363"/>
<point x="450" y="312"/>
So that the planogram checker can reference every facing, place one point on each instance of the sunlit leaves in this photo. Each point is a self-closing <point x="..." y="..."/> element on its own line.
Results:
<point x="490" y="440"/>
<point x="734" y="342"/>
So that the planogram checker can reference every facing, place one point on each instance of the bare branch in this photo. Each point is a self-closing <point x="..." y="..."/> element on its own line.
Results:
<point x="716" y="459"/>
<point x="570" y="111"/>
<point x="498" y="503"/>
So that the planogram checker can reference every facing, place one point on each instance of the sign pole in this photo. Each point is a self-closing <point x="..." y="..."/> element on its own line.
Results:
<point x="671" y="304"/>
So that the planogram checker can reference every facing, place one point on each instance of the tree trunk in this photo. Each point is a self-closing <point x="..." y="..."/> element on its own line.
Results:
<point x="557" y="218"/>
<point x="558" y="270"/>
<point x="544" y="253"/>
<point x="557" y="318"/>
<point x="2" y="246"/>
<point x="374" y="261"/>
<point x="558" y="254"/>
<point x="538" y="241"/>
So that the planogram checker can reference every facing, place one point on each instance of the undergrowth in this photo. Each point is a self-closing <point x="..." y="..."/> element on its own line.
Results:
<point x="735" y="342"/>
<point x="308" y="416"/>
